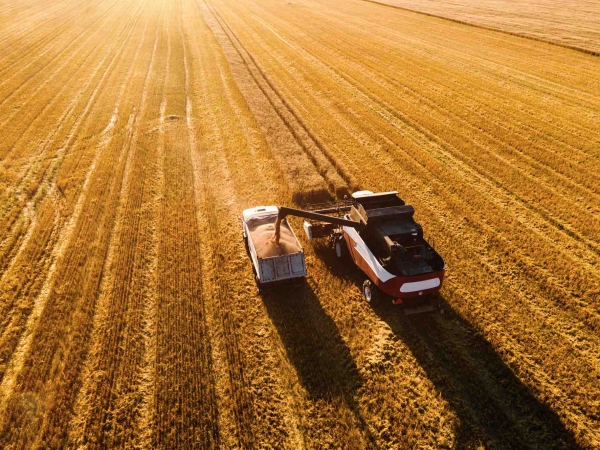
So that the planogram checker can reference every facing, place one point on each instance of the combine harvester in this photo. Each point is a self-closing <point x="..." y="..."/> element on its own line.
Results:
<point x="375" y="230"/>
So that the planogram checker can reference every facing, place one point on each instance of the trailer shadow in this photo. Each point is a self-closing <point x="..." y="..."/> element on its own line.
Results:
<point x="312" y="342"/>
<point x="494" y="408"/>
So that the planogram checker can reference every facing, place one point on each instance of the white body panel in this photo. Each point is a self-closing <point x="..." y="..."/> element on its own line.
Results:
<point x="275" y="268"/>
<point x="370" y="259"/>
<point x="420" y="285"/>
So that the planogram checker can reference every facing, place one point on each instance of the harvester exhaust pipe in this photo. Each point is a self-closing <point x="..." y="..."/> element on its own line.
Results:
<point x="315" y="215"/>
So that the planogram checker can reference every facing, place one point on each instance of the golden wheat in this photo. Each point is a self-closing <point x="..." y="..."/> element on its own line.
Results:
<point x="135" y="132"/>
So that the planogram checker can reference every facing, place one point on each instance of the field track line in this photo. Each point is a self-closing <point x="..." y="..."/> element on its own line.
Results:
<point x="184" y="404"/>
<point x="499" y="68"/>
<point x="496" y="69"/>
<point x="236" y="408"/>
<point x="26" y="31"/>
<point x="26" y="54"/>
<point x="250" y="62"/>
<point x="52" y="169"/>
<point x="63" y="241"/>
<point x="484" y="27"/>
<point x="308" y="331"/>
<point x="50" y="137"/>
<point x="193" y="149"/>
<point x="56" y="405"/>
<point x="47" y="80"/>
<point x="277" y="419"/>
<point x="47" y="183"/>
<point x="280" y="142"/>
<point x="493" y="66"/>
<point x="561" y="228"/>
<point x="145" y="425"/>
<point x="87" y="418"/>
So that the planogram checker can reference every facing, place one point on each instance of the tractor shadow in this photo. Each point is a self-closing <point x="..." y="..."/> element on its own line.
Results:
<point x="494" y="408"/>
<point x="312" y="342"/>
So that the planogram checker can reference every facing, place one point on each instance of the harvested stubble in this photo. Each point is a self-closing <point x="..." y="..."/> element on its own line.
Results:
<point x="570" y="23"/>
<point x="128" y="309"/>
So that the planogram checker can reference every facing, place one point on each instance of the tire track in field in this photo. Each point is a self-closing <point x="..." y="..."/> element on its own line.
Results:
<point x="249" y="369"/>
<point x="26" y="341"/>
<point x="47" y="183"/>
<point x="87" y="108"/>
<point x="494" y="70"/>
<point x="330" y="403"/>
<point x="50" y="425"/>
<point x="502" y="204"/>
<point x="25" y="31"/>
<point x="236" y="407"/>
<point x="402" y="118"/>
<point x="340" y="182"/>
<point x="56" y="31"/>
<point x="112" y="375"/>
<point x="531" y="162"/>
<point x="9" y="147"/>
<point x="492" y="28"/>
<point x="35" y="192"/>
<point x="440" y="49"/>
<point x="389" y="83"/>
<point x="36" y="61"/>
<point x="185" y="404"/>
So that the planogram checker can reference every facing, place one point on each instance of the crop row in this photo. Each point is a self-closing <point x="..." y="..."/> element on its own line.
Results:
<point x="494" y="219"/>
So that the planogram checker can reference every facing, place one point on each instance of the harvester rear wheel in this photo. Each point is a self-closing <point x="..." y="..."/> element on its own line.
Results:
<point x="370" y="292"/>
<point x="340" y="247"/>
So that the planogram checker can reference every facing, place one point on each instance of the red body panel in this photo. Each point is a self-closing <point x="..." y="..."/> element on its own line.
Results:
<point x="393" y="285"/>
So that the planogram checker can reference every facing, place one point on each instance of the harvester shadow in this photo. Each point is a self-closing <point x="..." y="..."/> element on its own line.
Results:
<point x="493" y="406"/>
<point x="312" y="342"/>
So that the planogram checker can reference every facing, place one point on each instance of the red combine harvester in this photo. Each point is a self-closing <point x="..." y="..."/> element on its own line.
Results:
<point x="378" y="232"/>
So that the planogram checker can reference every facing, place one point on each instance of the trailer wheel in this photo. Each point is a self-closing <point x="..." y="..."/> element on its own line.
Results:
<point x="341" y="249"/>
<point x="370" y="292"/>
<point x="259" y="285"/>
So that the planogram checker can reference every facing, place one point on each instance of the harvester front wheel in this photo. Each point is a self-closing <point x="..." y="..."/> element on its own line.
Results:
<point x="370" y="292"/>
<point x="341" y="249"/>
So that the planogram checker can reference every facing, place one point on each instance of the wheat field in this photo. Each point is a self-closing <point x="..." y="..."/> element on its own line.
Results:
<point x="569" y="23"/>
<point x="133" y="134"/>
